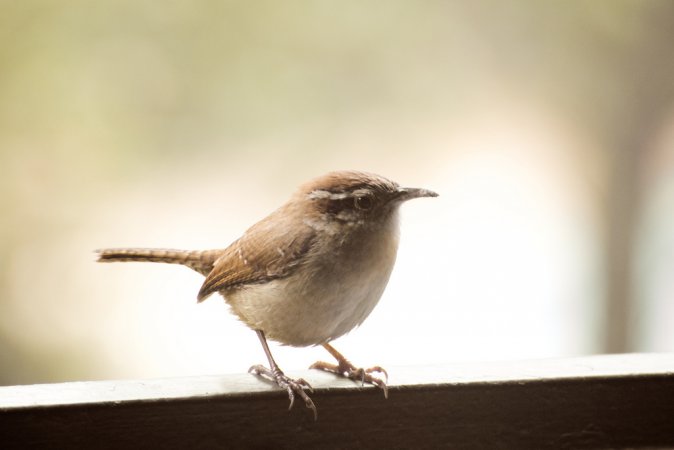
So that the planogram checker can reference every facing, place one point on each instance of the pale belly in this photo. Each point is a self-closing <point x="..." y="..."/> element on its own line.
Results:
<point x="311" y="308"/>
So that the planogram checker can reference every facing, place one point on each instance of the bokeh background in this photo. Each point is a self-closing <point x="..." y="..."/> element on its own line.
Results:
<point x="547" y="128"/>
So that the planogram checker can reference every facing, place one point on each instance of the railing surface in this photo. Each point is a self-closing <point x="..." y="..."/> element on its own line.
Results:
<point x="612" y="401"/>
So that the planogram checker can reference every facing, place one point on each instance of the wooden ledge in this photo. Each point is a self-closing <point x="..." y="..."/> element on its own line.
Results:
<point x="612" y="401"/>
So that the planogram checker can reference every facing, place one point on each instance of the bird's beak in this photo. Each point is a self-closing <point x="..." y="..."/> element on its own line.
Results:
<point x="405" y="194"/>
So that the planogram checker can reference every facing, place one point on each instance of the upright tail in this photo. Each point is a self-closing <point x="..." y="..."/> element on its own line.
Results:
<point x="200" y="260"/>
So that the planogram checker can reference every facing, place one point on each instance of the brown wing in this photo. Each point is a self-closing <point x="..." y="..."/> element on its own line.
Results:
<point x="267" y="251"/>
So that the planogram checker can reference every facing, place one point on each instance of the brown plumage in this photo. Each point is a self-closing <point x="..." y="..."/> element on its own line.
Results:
<point x="307" y="273"/>
<point x="200" y="260"/>
<point x="259" y="256"/>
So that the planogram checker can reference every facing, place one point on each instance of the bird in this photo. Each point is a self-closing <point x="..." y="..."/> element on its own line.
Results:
<point x="308" y="273"/>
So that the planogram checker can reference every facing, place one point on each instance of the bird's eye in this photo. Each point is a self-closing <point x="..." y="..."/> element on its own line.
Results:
<point x="363" y="202"/>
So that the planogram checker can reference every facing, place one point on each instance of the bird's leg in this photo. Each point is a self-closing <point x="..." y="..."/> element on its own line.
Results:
<point x="275" y="374"/>
<point x="344" y="368"/>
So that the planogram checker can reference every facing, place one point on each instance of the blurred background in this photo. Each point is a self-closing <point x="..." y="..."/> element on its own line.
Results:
<point x="546" y="127"/>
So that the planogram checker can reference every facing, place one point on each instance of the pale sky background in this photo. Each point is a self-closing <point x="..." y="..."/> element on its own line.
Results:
<point x="180" y="124"/>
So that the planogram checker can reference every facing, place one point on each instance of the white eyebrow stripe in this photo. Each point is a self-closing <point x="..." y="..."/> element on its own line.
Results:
<point x="321" y="194"/>
<point x="362" y="192"/>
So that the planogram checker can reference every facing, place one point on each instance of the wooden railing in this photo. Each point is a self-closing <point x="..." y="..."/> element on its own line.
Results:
<point x="617" y="401"/>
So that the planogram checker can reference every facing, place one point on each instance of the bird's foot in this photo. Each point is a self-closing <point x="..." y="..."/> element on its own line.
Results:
<point x="294" y="387"/>
<point x="345" y="369"/>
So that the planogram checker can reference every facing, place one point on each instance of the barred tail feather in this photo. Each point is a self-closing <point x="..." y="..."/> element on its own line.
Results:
<point x="200" y="260"/>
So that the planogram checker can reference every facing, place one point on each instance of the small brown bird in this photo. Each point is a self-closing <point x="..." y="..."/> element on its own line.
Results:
<point x="309" y="272"/>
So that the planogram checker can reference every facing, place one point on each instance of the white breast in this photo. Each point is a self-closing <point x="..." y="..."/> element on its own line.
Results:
<point x="326" y="297"/>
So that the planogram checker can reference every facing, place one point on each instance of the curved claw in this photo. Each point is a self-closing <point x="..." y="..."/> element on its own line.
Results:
<point x="257" y="369"/>
<point x="378" y="381"/>
<point x="380" y="370"/>
<point x="291" y="396"/>
<point x="291" y="385"/>
<point x="348" y="370"/>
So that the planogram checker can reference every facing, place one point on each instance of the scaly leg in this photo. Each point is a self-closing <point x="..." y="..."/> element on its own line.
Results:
<point x="275" y="374"/>
<point x="344" y="368"/>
